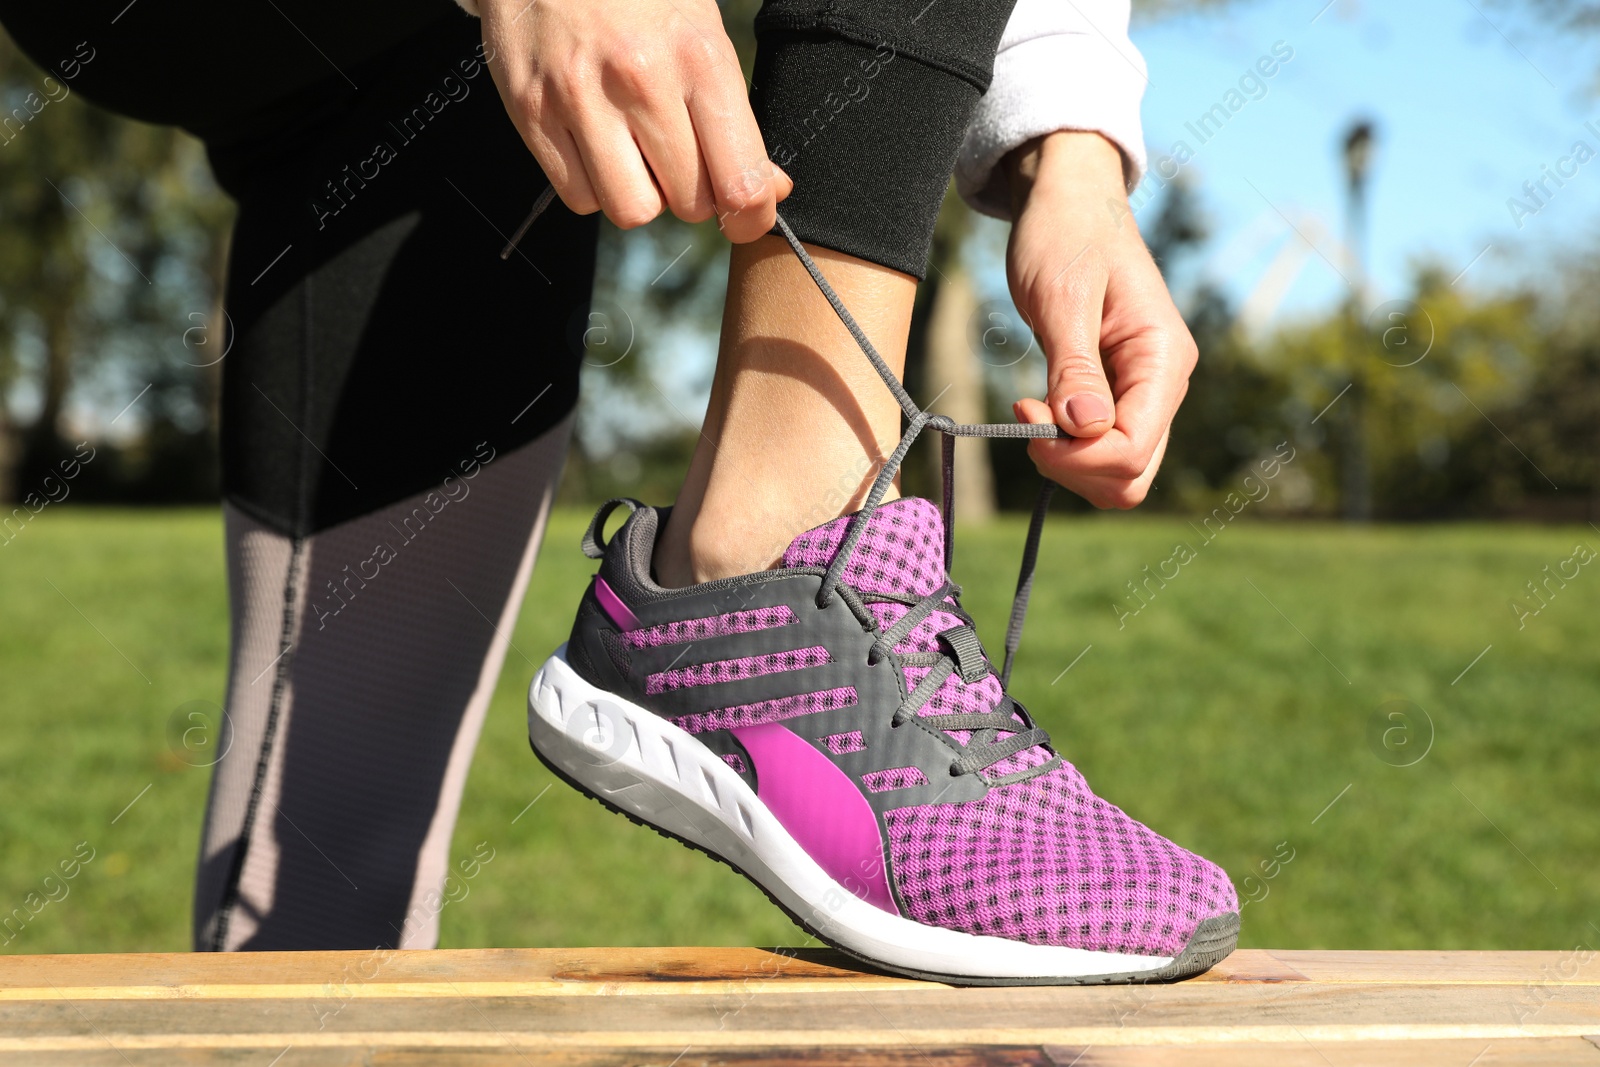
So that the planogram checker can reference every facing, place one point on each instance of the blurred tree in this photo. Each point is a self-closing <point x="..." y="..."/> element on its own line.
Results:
<point x="1444" y="373"/>
<point x="1179" y="227"/>
<point x="113" y="232"/>
<point x="1580" y="15"/>
<point x="43" y="268"/>
<point x="943" y="371"/>
<point x="1558" y="423"/>
<point x="1231" y="414"/>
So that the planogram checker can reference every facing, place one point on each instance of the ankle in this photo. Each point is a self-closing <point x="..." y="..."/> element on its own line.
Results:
<point x="693" y="549"/>
<point x="707" y="541"/>
<point x="704" y="542"/>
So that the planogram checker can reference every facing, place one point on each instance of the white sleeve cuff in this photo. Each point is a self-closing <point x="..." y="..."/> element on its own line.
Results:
<point x="469" y="6"/>
<point x="1056" y="70"/>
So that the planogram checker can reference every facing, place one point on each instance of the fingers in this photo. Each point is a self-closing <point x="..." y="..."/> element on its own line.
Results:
<point x="562" y="163"/>
<point x="1152" y="376"/>
<point x="782" y="182"/>
<point x="1071" y="459"/>
<point x="744" y="182"/>
<point x="622" y="184"/>
<point x="668" y="144"/>
<point x="1124" y="452"/>
<point x="635" y="109"/>
<point x="1063" y="461"/>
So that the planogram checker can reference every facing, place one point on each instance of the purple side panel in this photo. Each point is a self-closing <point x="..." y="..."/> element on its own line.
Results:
<point x="895" y="778"/>
<point x="845" y="743"/>
<point x="822" y="808"/>
<point x="735" y="670"/>
<point x="734" y="622"/>
<point x="768" y="711"/>
<point x="612" y="605"/>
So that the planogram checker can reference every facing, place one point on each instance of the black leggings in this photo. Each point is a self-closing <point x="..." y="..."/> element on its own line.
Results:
<point x="397" y="399"/>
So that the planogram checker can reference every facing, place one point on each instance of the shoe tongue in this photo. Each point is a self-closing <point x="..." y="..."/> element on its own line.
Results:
<point x="901" y="550"/>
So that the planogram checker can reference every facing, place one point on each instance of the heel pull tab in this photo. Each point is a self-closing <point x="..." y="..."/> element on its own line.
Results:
<point x="593" y="543"/>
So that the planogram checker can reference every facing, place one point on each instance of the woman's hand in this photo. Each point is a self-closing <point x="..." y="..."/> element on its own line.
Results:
<point x="1117" y="351"/>
<point x="635" y="108"/>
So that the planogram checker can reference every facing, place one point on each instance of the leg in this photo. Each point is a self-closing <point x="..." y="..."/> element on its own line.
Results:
<point x="363" y="660"/>
<point x="798" y="421"/>
<point x="396" y="410"/>
<point x="790" y="383"/>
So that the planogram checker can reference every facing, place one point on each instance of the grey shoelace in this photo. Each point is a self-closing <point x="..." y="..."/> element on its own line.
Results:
<point x="982" y="750"/>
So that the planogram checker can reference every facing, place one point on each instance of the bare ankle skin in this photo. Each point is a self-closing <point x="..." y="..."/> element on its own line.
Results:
<point x="798" y="423"/>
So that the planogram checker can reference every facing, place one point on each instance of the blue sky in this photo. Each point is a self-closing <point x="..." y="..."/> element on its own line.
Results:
<point x="1470" y="98"/>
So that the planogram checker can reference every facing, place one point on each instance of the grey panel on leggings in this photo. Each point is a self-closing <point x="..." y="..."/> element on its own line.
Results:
<point x="363" y="661"/>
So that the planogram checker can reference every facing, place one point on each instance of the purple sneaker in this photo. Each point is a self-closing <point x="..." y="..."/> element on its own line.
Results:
<point x="848" y="746"/>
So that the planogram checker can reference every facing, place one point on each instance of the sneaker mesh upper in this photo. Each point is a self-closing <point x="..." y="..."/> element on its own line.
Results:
<point x="1044" y="862"/>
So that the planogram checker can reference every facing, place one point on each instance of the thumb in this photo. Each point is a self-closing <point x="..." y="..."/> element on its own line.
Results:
<point x="1080" y="397"/>
<point x="783" y="184"/>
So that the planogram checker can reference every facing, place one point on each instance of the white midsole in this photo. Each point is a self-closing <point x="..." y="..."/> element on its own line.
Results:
<point x="641" y="762"/>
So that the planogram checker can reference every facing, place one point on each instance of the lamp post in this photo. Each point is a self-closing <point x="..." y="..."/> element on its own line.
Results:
<point x="1356" y="488"/>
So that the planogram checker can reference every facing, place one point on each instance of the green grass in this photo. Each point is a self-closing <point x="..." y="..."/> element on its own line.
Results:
<point x="1228" y="714"/>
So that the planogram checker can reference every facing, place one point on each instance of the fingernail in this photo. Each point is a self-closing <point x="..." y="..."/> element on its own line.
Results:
<point x="1085" y="409"/>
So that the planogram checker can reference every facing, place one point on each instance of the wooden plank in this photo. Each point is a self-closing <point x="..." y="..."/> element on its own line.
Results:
<point x="1251" y="965"/>
<point x="985" y="1056"/>
<point x="1581" y="967"/>
<point x="443" y="972"/>
<point x="635" y="1006"/>
<point x="1572" y="1052"/>
<point x="1527" y="1052"/>
<point x="667" y="971"/>
<point x="1194" y="1014"/>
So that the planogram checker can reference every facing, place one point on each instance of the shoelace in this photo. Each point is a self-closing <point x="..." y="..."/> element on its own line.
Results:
<point x="982" y="750"/>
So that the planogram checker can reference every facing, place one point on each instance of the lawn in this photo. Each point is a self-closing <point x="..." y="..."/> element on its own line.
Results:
<point x="1250" y="710"/>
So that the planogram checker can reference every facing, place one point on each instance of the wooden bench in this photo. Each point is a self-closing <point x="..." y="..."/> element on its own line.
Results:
<point x="687" y="1007"/>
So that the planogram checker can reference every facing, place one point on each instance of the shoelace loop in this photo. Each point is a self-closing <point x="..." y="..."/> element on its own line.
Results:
<point x="982" y="750"/>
